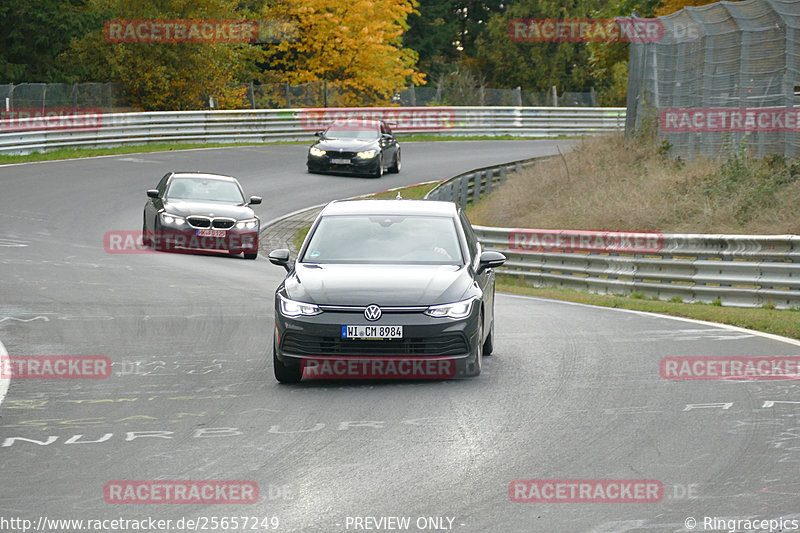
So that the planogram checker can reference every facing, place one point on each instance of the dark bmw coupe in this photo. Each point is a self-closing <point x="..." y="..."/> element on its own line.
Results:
<point x="199" y="211"/>
<point x="385" y="289"/>
<point x="364" y="147"/>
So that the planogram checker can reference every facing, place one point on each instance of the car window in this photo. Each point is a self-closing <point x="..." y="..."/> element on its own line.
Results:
<point x="385" y="239"/>
<point x="162" y="185"/>
<point x="344" y="131"/>
<point x="472" y="239"/>
<point x="203" y="189"/>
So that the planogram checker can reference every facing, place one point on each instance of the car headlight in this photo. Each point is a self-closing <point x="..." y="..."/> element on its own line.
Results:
<point x="316" y="151"/>
<point x="247" y="224"/>
<point x="172" y="219"/>
<point x="366" y="154"/>
<point x="460" y="309"/>
<point x="292" y="308"/>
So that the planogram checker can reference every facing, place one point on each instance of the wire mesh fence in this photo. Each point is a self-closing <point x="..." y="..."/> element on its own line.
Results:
<point x="725" y="76"/>
<point x="105" y="97"/>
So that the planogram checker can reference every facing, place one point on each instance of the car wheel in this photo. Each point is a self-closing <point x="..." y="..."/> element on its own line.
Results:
<point x="379" y="172"/>
<point x="285" y="373"/>
<point x="395" y="168"/>
<point x="145" y="238"/>
<point x="477" y="366"/>
<point x="251" y="256"/>
<point x="488" y="345"/>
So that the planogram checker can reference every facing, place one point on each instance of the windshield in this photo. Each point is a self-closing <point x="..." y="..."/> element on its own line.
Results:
<point x="385" y="239"/>
<point x="206" y="190"/>
<point x="344" y="132"/>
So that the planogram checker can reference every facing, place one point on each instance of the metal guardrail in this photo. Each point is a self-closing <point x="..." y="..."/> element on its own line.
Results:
<point x="735" y="270"/>
<point x="20" y="136"/>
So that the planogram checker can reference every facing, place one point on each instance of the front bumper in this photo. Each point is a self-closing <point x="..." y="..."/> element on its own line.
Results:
<point x="432" y="348"/>
<point x="232" y="240"/>
<point x="355" y="166"/>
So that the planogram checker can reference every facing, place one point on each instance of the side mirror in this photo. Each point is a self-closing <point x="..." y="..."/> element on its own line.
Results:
<point x="280" y="257"/>
<point x="489" y="260"/>
<point x="152" y="193"/>
<point x="319" y="134"/>
<point x="255" y="200"/>
<point x="385" y="137"/>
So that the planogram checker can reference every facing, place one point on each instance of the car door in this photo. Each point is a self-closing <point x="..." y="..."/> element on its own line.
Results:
<point x="154" y="205"/>
<point x="388" y="144"/>
<point x="485" y="279"/>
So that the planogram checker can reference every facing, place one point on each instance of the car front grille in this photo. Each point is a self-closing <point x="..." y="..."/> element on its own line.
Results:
<point x="223" y="223"/>
<point x="201" y="222"/>
<point x="301" y="344"/>
<point x="341" y="155"/>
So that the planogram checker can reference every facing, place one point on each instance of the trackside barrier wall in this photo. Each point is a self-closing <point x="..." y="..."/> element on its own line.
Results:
<point x="736" y="270"/>
<point x="270" y="125"/>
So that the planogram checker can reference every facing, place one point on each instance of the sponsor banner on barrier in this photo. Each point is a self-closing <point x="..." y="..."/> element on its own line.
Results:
<point x="196" y="31"/>
<point x="729" y="119"/>
<point x="733" y="368"/>
<point x="622" y="29"/>
<point x="537" y="240"/>
<point x="379" y="368"/>
<point x="180" y="492"/>
<point x="55" y="367"/>
<point x="51" y="118"/>
<point x="401" y="118"/>
<point x="585" y="491"/>
<point x="132" y="242"/>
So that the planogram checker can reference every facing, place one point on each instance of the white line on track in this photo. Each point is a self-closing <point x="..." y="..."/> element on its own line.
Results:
<point x="770" y="336"/>
<point x="4" y="382"/>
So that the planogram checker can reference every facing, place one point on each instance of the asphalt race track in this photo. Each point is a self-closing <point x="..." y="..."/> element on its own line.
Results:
<point x="572" y="392"/>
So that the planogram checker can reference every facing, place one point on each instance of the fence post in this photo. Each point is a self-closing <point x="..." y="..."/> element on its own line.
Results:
<point x="412" y="95"/>
<point x="554" y="94"/>
<point x="518" y="97"/>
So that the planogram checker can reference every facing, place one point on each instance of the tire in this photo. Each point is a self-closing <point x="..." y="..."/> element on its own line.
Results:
<point x="395" y="168"/>
<point x="251" y="256"/>
<point x="379" y="172"/>
<point x="145" y="238"/>
<point x="488" y="345"/>
<point x="285" y="373"/>
<point x="478" y="365"/>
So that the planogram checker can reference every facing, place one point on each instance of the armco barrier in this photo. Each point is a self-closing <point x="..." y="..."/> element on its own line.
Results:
<point x="300" y="124"/>
<point x="736" y="270"/>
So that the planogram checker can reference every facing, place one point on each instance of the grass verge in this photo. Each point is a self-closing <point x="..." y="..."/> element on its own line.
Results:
<point x="79" y="153"/>
<point x="778" y="322"/>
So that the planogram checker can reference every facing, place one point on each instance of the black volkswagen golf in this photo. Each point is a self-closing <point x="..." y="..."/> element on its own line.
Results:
<point x="365" y="147"/>
<point x="385" y="289"/>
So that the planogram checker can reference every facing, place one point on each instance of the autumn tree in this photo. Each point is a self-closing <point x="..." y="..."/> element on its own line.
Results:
<point x="355" y="45"/>
<point x="169" y="75"/>
<point x="671" y="6"/>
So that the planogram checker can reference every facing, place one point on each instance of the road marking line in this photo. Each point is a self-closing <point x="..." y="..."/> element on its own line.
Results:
<point x="770" y="336"/>
<point x="4" y="382"/>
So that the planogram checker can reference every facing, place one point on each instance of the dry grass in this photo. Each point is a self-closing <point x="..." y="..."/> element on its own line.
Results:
<point x="618" y="184"/>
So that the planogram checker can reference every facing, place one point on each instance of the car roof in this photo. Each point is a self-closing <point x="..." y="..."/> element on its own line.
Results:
<point x="361" y="121"/>
<point x="390" y="207"/>
<point x="203" y="175"/>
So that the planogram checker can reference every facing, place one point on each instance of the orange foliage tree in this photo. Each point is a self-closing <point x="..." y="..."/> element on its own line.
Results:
<point x="355" y="45"/>
<point x="671" y="6"/>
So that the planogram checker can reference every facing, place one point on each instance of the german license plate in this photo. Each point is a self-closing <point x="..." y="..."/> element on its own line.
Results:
<point x="372" y="332"/>
<point x="210" y="233"/>
<point x="340" y="161"/>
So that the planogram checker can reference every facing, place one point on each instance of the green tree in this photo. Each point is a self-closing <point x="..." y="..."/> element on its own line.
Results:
<point x="33" y="34"/>
<point x="169" y="75"/>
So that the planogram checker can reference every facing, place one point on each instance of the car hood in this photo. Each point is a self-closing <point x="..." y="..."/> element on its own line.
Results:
<point x="347" y="145"/>
<point x="384" y="285"/>
<point x="209" y="209"/>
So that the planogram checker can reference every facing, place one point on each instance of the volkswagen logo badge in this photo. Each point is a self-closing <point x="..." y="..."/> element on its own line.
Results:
<point x="372" y="312"/>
